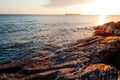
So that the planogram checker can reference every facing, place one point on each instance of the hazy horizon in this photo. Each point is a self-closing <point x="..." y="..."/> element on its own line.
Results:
<point x="83" y="7"/>
<point x="57" y="14"/>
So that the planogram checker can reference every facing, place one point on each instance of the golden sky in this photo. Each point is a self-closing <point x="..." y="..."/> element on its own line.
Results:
<point x="88" y="7"/>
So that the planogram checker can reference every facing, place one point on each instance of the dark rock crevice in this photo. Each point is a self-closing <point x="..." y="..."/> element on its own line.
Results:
<point x="113" y="60"/>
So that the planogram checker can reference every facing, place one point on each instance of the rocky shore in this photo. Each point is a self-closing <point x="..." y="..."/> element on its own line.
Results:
<point x="94" y="58"/>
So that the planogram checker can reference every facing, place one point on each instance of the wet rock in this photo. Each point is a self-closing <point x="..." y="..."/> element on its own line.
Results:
<point x="108" y="29"/>
<point x="99" y="72"/>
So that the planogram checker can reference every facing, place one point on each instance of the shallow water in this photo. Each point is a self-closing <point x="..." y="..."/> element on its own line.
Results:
<point x="22" y="36"/>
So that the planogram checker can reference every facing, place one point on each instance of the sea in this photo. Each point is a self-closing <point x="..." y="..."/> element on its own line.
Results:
<point x="23" y="36"/>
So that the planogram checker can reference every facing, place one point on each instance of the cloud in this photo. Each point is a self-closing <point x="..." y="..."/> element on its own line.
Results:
<point x="64" y="3"/>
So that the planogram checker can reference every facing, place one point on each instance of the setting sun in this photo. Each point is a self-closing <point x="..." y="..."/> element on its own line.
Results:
<point x="105" y="7"/>
<point x="101" y="19"/>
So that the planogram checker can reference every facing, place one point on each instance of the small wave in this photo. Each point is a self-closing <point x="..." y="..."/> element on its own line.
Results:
<point x="10" y="52"/>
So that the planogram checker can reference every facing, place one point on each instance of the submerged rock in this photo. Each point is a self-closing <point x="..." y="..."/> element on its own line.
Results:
<point x="94" y="58"/>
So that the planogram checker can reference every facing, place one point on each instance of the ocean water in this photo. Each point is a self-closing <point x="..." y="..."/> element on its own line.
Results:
<point x="23" y="36"/>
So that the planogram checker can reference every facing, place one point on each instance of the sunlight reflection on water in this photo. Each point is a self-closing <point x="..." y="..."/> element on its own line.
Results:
<point x="102" y="19"/>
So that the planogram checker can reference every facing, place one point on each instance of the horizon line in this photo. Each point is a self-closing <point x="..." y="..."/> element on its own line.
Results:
<point x="48" y="14"/>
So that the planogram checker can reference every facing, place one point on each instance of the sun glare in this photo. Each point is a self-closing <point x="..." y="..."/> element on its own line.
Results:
<point x="99" y="7"/>
<point x="106" y="7"/>
<point x="101" y="19"/>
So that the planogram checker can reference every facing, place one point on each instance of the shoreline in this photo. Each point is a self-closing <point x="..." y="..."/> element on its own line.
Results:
<point x="95" y="57"/>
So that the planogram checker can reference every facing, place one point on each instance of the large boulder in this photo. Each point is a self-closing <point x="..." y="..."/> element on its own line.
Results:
<point x="108" y="29"/>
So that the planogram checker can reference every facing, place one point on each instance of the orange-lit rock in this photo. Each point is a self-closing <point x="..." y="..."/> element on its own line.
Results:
<point x="108" y="29"/>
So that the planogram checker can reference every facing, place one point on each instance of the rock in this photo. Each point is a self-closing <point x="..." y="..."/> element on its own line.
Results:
<point x="92" y="58"/>
<point x="108" y="29"/>
<point x="99" y="72"/>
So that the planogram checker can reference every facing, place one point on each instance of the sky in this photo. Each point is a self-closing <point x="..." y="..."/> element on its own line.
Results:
<point x="85" y="7"/>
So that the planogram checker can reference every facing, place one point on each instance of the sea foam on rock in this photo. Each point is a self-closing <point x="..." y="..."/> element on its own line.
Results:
<point x="93" y="58"/>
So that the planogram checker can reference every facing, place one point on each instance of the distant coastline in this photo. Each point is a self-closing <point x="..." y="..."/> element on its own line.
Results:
<point x="73" y="14"/>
